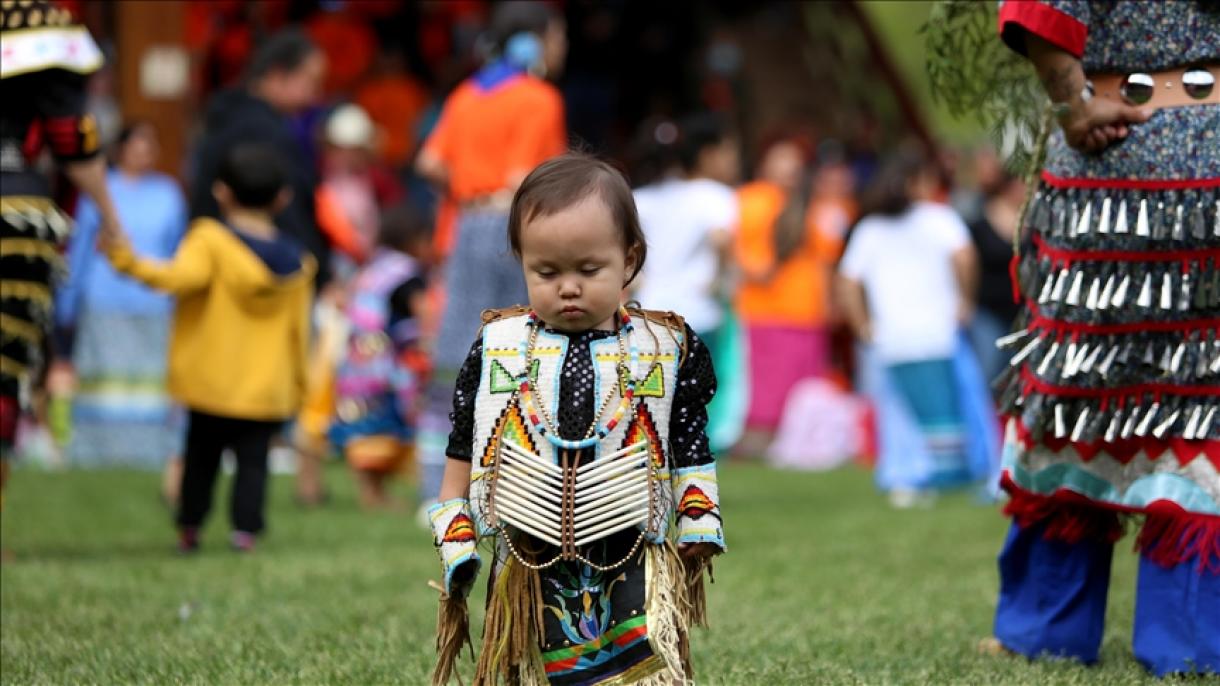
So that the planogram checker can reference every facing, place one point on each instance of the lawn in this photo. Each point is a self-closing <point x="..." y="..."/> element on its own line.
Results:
<point x="824" y="584"/>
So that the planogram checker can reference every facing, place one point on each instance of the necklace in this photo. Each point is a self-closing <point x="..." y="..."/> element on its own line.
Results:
<point x="541" y="419"/>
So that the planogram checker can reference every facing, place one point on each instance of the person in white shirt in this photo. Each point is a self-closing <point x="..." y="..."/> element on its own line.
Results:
<point x="906" y="285"/>
<point x="688" y="219"/>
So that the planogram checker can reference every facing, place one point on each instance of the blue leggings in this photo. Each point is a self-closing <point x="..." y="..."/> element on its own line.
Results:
<point x="1053" y="602"/>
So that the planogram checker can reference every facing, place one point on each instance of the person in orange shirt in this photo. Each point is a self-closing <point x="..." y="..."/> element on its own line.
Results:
<point x="790" y="234"/>
<point x="494" y="128"/>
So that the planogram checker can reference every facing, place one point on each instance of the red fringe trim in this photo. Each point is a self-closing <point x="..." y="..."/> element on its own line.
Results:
<point x="1061" y="327"/>
<point x="1033" y="383"/>
<point x="1128" y="184"/>
<point x="1066" y="257"/>
<point x="1069" y="518"/>
<point x="1172" y="538"/>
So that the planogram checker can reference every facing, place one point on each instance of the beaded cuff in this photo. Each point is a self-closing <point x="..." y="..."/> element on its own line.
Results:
<point x="454" y="535"/>
<point x="697" y="504"/>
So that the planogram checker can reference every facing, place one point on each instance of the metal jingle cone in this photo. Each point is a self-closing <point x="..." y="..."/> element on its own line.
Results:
<point x="1202" y="293"/>
<point x="1166" y="291"/>
<point x="1141" y="429"/>
<point x="1103" y="219"/>
<point x="1205" y="427"/>
<point x="1129" y="425"/>
<point x="1046" y="361"/>
<point x="1141" y="221"/>
<point x="1145" y="297"/>
<point x="1164" y="426"/>
<point x="1184" y="293"/>
<point x="1091" y="360"/>
<point x="1179" y="226"/>
<point x="1009" y="340"/>
<point x="1081" y="421"/>
<point x="1086" y="217"/>
<point x="1060" y="426"/>
<point x="1047" y="286"/>
<point x="1166" y="359"/>
<point x="1201" y="360"/>
<point x="1104" y="368"/>
<point x="1214" y="367"/>
<point x="1176" y="363"/>
<point x="1073" y="296"/>
<point x="1192" y="424"/>
<point x="1069" y="361"/>
<point x="1120" y="293"/>
<point x="1216" y="226"/>
<point x="1197" y="223"/>
<point x="1025" y="352"/>
<point x="1158" y="222"/>
<point x="1116" y="424"/>
<point x="1120" y="223"/>
<point x="1060" y="285"/>
<point x="1091" y="300"/>
<point x="1107" y="292"/>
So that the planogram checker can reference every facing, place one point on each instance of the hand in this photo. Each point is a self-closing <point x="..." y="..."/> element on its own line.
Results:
<point x="110" y="235"/>
<point x="463" y="579"/>
<point x="1094" y="125"/>
<point x="61" y="378"/>
<point x="698" y="551"/>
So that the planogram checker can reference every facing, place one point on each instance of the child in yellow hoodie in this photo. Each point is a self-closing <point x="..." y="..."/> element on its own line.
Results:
<point x="239" y="338"/>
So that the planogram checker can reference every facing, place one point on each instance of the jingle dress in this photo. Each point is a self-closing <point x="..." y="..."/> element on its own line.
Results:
<point x="1112" y="397"/>
<point x="600" y="627"/>
<point x="44" y="61"/>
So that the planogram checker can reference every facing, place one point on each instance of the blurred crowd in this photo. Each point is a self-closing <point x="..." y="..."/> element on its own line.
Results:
<point x="850" y="295"/>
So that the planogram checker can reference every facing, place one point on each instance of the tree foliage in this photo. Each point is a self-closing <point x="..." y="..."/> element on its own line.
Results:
<point x="973" y="74"/>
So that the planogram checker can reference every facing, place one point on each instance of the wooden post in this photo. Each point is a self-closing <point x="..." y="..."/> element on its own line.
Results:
<point x="150" y="41"/>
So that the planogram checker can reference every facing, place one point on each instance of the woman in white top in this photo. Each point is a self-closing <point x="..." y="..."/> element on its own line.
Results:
<point x="688" y="218"/>
<point x="906" y="285"/>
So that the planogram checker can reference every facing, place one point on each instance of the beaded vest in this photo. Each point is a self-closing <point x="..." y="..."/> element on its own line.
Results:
<point x="522" y="480"/>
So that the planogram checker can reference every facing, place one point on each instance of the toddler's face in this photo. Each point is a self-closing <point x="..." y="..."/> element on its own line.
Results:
<point x="575" y="266"/>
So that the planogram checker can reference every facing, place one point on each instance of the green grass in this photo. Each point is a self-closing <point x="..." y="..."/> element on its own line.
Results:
<point x="824" y="584"/>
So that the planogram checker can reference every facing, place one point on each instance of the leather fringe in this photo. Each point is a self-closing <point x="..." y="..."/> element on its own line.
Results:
<point x="513" y="625"/>
<point x="452" y="633"/>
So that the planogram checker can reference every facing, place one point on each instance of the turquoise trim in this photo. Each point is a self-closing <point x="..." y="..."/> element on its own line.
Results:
<point x="562" y="343"/>
<point x="1143" y="492"/>
<point x="450" y="568"/>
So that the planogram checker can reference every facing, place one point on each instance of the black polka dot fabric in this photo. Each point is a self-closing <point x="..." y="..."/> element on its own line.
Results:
<point x="696" y="384"/>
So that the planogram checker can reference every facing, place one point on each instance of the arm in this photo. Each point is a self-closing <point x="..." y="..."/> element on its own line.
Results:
<point x="81" y="251"/>
<point x="90" y="177"/>
<point x="1053" y="36"/>
<point x="189" y="271"/>
<point x="453" y="527"/>
<point x="696" y="492"/>
<point x="965" y="261"/>
<point x="430" y="164"/>
<point x="853" y="303"/>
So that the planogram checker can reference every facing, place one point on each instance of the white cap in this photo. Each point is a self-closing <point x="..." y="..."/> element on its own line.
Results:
<point x="349" y="126"/>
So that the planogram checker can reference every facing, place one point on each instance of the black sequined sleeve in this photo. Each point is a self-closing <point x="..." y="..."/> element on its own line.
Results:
<point x="466" y="390"/>
<point x="688" y="420"/>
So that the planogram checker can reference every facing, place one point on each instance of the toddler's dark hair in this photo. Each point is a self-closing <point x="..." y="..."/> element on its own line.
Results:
<point x="563" y="181"/>
<point x="255" y="173"/>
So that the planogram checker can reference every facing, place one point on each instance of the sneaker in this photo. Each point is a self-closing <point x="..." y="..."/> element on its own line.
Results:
<point x="188" y="540"/>
<point x="242" y="541"/>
